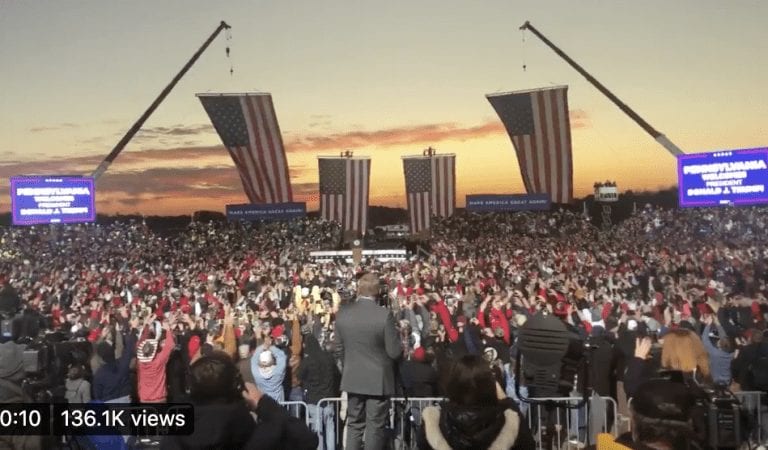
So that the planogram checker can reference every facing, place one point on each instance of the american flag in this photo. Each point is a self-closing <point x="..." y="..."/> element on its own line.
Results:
<point x="247" y="125"/>
<point x="344" y="184"/>
<point x="538" y="123"/>
<point x="430" y="183"/>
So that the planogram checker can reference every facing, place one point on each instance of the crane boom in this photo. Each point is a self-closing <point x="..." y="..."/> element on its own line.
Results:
<point x="164" y="93"/>
<point x="659" y="137"/>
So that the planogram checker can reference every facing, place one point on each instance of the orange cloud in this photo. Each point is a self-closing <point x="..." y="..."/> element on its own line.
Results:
<point x="408" y="135"/>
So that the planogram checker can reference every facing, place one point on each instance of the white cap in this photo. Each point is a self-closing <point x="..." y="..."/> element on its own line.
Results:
<point x="266" y="358"/>
<point x="305" y="292"/>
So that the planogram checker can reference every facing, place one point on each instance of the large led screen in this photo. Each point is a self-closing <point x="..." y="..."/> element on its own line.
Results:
<point x="52" y="199"/>
<point x="732" y="177"/>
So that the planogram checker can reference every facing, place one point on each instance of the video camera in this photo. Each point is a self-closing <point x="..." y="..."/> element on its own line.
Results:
<point x="718" y="420"/>
<point x="550" y="359"/>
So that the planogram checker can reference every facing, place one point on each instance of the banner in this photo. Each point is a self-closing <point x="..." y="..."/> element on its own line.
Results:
<point x="513" y="202"/>
<point x="52" y="199"/>
<point x="732" y="177"/>
<point x="266" y="212"/>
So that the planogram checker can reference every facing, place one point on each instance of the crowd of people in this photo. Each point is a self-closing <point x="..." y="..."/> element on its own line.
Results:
<point x="666" y="289"/>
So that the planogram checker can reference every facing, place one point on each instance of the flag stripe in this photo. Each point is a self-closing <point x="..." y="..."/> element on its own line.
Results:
<point x="278" y="150"/>
<point x="257" y="138"/>
<point x="565" y="126"/>
<point x="253" y="157"/>
<point x="257" y="105"/>
<point x="366" y="196"/>
<point x="541" y="148"/>
<point x="551" y="145"/>
<point x="245" y="176"/>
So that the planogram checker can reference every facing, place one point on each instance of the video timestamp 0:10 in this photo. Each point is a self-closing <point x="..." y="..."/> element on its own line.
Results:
<point x="96" y="419"/>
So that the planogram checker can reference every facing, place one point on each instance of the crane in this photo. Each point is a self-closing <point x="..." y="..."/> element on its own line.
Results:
<point x="658" y="136"/>
<point x="152" y="107"/>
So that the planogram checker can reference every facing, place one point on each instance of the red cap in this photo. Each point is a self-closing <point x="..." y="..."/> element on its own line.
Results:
<point x="194" y="346"/>
<point x="704" y="308"/>
<point x="419" y="354"/>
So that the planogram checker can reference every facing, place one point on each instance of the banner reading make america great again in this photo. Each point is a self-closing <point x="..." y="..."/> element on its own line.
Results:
<point x="513" y="202"/>
<point x="266" y="212"/>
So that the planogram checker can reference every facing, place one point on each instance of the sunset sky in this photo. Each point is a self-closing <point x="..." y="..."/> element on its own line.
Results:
<point x="383" y="79"/>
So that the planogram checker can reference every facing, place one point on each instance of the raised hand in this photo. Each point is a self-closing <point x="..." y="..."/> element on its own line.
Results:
<point x="643" y="347"/>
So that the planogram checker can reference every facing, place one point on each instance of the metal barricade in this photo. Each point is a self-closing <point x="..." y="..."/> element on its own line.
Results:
<point x="298" y="410"/>
<point x="327" y="419"/>
<point x="754" y="406"/>
<point x="568" y="428"/>
<point x="562" y="423"/>
<point x="405" y="419"/>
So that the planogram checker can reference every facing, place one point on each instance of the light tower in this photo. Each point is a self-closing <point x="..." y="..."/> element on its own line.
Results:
<point x="605" y="194"/>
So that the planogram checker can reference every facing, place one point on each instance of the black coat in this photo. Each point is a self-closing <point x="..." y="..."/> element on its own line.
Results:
<point x="741" y="365"/>
<point x="231" y="425"/>
<point x="488" y="427"/>
<point x="602" y="368"/>
<point x="318" y="373"/>
<point x="419" y="379"/>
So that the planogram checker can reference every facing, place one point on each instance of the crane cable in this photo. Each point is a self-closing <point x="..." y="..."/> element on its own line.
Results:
<point x="525" y="66"/>
<point x="228" y="36"/>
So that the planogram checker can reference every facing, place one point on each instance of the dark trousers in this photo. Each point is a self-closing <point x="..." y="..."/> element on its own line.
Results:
<point x="366" y="416"/>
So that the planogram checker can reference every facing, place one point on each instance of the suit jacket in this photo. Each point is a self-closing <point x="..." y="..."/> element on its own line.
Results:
<point x="368" y="344"/>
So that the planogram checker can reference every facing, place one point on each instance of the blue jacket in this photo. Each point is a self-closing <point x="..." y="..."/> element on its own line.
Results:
<point x="719" y="360"/>
<point x="272" y="386"/>
<point x="113" y="380"/>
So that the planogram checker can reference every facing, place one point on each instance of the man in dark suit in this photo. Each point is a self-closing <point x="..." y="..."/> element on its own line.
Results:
<point x="368" y="344"/>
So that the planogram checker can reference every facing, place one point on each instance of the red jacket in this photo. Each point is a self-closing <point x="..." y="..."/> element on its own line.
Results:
<point x="152" y="374"/>
<point x="445" y="317"/>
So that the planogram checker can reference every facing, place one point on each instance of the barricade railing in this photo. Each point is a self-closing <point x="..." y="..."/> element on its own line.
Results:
<point x="562" y="423"/>
<point x="754" y="423"/>
<point x="754" y="405"/>
<point x="298" y="410"/>
<point x="553" y="425"/>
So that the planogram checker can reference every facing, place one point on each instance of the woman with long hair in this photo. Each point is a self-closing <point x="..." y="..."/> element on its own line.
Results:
<point x="681" y="351"/>
<point x="477" y="414"/>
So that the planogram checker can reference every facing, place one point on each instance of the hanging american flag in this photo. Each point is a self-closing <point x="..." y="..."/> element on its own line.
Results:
<point x="538" y="123"/>
<point x="344" y="184"/>
<point x="430" y="183"/>
<point x="247" y="125"/>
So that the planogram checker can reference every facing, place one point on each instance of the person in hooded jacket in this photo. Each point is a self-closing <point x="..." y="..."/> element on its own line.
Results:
<point x="320" y="378"/>
<point x="477" y="414"/>
<point x="225" y="409"/>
